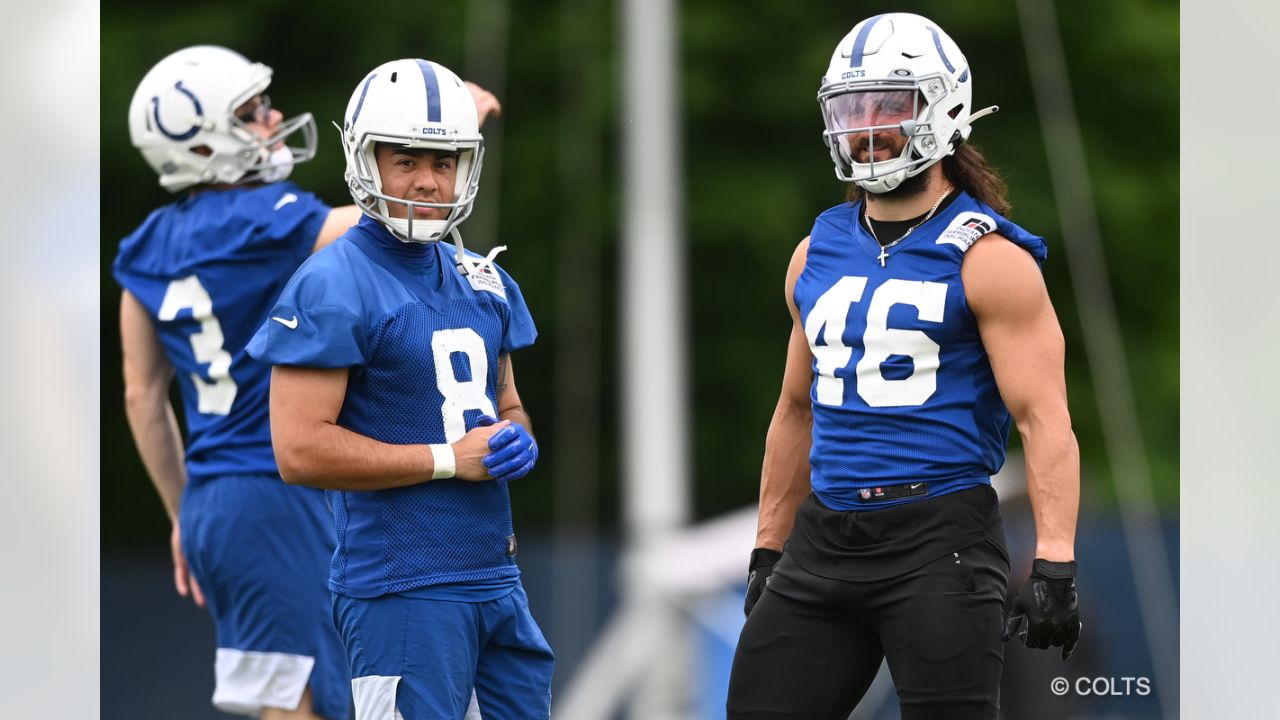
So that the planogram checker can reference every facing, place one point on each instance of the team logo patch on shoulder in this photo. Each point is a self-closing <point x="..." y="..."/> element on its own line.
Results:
<point x="965" y="230"/>
<point x="484" y="278"/>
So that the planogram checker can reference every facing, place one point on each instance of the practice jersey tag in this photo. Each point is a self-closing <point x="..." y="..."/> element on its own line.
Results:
<point x="965" y="229"/>
<point x="511" y="546"/>
<point x="484" y="278"/>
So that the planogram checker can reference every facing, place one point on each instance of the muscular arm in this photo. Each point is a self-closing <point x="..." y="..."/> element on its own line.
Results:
<point x="1021" y="335"/>
<point x="784" y="478"/>
<point x="312" y="449"/>
<point x="147" y="375"/>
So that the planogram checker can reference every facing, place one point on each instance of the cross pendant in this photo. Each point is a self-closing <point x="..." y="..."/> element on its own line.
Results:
<point x="884" y="255"/>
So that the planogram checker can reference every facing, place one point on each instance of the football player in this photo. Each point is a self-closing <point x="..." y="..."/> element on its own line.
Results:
<point x="199" y="276"/>
<point x="393" y="390"/>
<point x="921" y="328"/>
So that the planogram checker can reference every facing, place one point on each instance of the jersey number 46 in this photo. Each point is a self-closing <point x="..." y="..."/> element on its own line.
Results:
<point x="827" y="321"/>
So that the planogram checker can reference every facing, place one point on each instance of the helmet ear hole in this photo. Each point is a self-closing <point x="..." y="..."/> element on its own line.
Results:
<point x="202" y="150"/>
<point x="954" y="112"/>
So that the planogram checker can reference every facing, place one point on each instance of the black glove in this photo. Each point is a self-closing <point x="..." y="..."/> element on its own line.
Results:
<point x="758" y="572"/>
<point x="1048" y="602"/>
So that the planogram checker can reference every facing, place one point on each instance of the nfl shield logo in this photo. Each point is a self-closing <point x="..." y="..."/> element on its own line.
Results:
<point x="865" y="493"/>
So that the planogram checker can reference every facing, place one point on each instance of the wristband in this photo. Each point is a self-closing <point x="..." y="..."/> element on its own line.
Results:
<point x="446" y="466"/>
<point x="763" y="556"/>
<point x="1054" y="570"/>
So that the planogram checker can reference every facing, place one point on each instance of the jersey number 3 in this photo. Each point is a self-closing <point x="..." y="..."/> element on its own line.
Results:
<point x="215" y="395"/>
<point x="827" y="321"/>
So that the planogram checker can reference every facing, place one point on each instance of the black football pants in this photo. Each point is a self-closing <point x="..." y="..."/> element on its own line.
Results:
<point x="812" y="645"/>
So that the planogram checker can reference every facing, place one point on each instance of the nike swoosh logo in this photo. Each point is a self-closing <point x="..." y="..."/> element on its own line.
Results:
<point x="291" y="323"/>
<point x="913" y="487"/>
<point x="285" y="200"/>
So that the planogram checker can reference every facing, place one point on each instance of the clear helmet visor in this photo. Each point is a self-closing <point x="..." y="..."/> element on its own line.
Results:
<point x="871" y="127"/>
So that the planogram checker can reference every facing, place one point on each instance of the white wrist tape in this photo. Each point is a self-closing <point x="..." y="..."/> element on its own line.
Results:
<point x="446" y="466"/>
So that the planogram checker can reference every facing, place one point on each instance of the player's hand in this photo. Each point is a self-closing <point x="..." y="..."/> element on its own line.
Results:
<point x="469" y="451"/>
<point x="514" y="453"/>
<point x="758" y="572"/>
<point x="1048" y="604"/>
<point x="183" y="580"/>
<point x="486" y="102"/>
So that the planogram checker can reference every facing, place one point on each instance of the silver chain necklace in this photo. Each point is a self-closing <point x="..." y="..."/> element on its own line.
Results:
<point x="884" y="248"/>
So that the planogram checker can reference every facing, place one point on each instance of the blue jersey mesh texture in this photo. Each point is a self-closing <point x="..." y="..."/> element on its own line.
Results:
<point x="236" y="247"/>
<point x="338" y="562"/>
<point x="443" y="531"/>
<point x="876" y="426"/>
<point x="387" y="311"/>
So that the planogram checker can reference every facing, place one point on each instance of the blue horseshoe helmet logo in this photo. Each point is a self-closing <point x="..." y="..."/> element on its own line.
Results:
<point x="155" y="112"/>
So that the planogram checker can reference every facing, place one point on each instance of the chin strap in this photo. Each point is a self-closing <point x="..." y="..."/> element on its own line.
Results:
<point x="468" y="266"/>
<point x="962" y="130"/>
<point x="980" y="114"/>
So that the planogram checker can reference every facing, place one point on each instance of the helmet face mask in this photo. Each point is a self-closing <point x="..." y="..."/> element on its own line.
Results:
<point x="272" y="158"/>
<point x="182" y="118"/>
<point x="412" y="104"/>
<point x="895" y="82"/>
<point x="869" y="129"/>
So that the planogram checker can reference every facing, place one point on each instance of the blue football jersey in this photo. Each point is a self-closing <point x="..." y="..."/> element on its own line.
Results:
<point x="422" y="341"/>
<point x="207" y="268"/>
<point x="903" y="390"/>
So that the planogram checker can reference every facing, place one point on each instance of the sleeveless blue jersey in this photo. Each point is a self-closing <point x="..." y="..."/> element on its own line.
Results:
<point x="208" y="268"/>
<point x="903" y="390"/>
<point x="422" y="342"/>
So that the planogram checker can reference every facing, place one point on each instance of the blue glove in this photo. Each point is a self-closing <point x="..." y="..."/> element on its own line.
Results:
<point x="514" y="453"/>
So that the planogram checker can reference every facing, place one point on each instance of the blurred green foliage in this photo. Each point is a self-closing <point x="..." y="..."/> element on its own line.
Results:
<point x="756" y="174"/>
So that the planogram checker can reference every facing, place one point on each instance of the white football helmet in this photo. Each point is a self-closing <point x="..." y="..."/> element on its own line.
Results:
<point x="417" y="104"/>
<point x="895" y="76"/>
<point x="182" y="118"/>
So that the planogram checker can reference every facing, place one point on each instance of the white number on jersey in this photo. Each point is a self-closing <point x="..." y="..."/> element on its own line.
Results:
<point x="459" y="395"/>
<point x="216" y="394"/>
<point x="879" y="342"/>
<point x="832" y="312"/>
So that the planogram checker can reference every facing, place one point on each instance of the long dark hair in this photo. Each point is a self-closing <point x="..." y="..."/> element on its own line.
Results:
<point x="968" y="170"/>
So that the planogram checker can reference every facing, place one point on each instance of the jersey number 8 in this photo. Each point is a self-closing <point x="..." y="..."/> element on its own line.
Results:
<point x="460" y="395"/>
